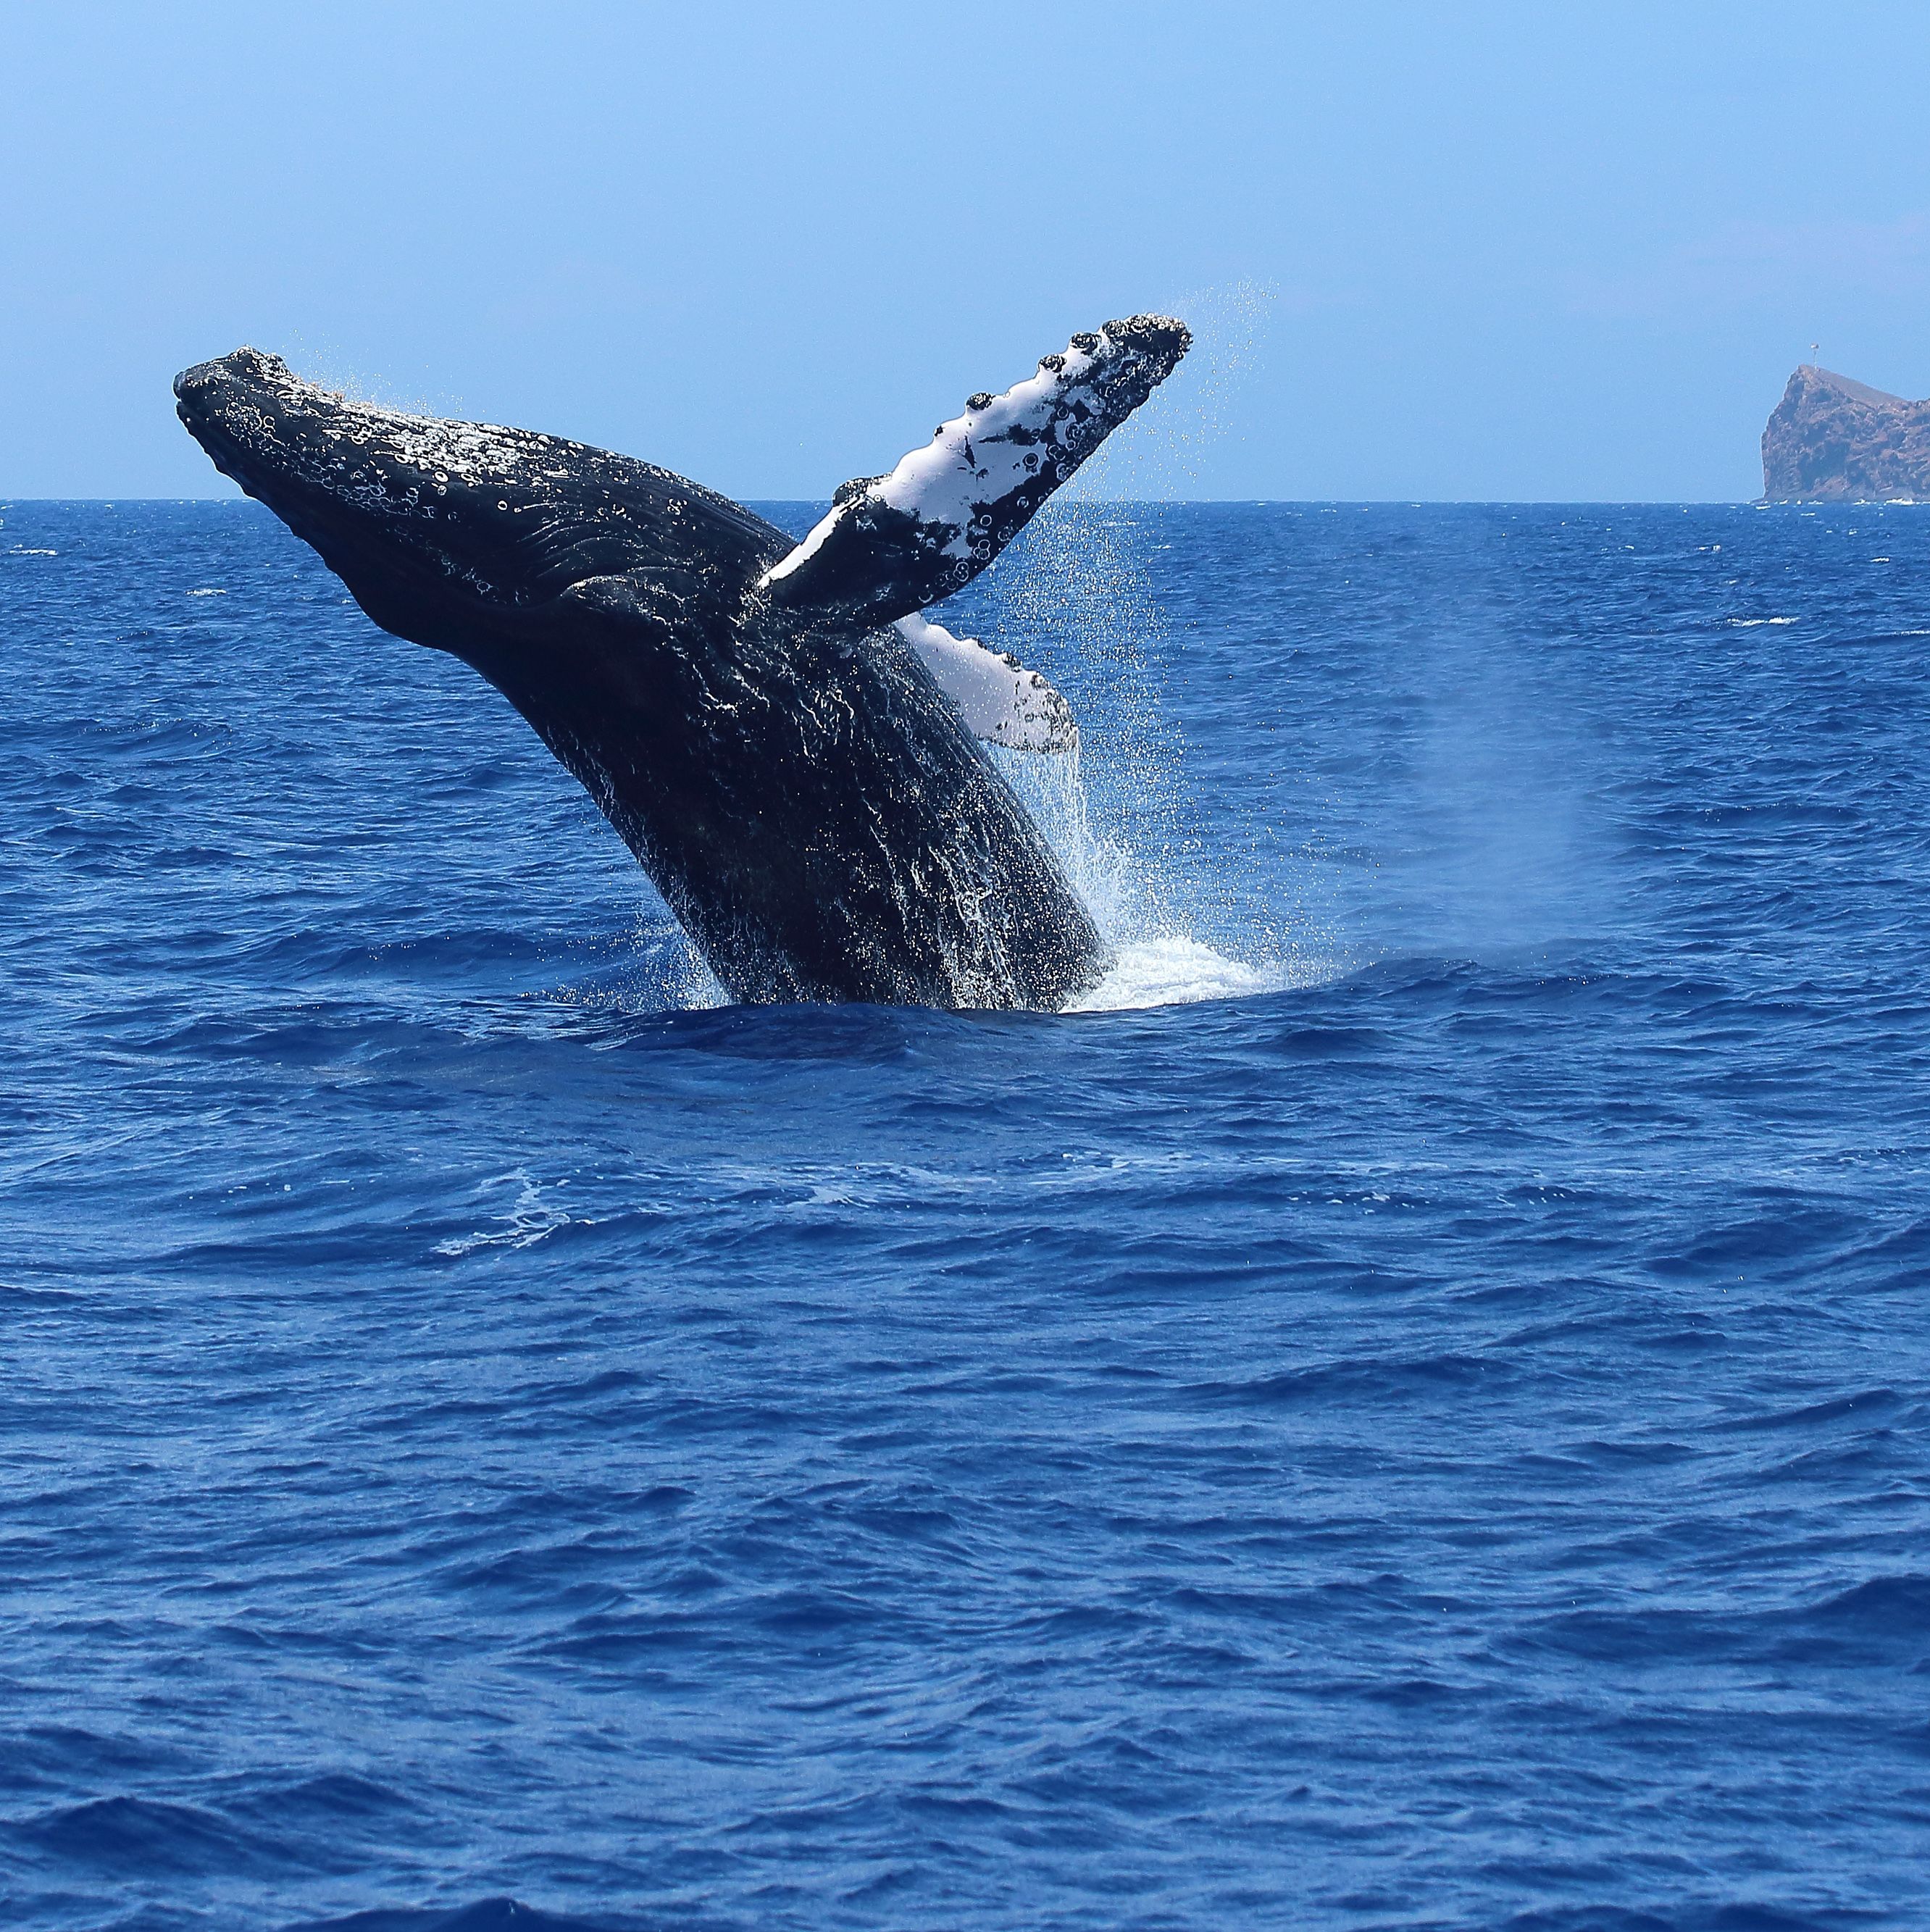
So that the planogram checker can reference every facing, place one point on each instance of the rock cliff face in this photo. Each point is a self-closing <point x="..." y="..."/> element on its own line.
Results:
<point x="1831" y="439"/>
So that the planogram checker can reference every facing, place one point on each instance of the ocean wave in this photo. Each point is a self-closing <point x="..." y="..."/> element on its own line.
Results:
<point x="1440" y="1339"/>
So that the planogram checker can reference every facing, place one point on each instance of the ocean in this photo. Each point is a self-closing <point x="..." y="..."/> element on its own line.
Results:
<point x="1413" y="1411"/>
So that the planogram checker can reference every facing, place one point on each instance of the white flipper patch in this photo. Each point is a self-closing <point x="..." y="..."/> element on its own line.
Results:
<point x="1000" y="700"/>
<point x="894" y="544"/>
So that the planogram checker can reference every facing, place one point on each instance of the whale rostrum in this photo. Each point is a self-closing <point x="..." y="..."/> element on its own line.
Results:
<point x="784" y="740"/>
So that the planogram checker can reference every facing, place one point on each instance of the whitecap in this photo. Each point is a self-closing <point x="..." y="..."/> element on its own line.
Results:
<point x="531" y="1219"/>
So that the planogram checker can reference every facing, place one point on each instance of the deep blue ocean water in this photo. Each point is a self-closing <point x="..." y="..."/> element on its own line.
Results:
<point x="1429" y="1426"/>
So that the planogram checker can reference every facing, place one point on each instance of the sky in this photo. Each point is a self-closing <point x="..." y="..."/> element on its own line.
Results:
<point x="1561" y="251"/>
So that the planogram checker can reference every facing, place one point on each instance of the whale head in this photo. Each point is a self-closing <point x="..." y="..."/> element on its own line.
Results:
<point x="442" y="528"/>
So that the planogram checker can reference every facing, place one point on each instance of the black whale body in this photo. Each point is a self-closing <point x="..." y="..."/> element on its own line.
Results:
<point x="801" y="791"/>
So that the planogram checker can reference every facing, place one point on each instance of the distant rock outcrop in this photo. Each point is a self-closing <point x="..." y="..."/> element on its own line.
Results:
<point x="1832" y="440"/>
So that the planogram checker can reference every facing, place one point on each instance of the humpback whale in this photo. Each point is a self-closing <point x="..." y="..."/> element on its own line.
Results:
<point x="786" y="743"/>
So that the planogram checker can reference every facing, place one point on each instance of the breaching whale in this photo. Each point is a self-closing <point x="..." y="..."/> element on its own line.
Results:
<point x="778" y="734"/>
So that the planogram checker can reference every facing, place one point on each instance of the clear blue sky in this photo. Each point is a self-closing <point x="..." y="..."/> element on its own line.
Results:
<point x="1554" y="250"/>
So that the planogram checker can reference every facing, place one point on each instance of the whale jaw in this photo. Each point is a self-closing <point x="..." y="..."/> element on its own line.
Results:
<point x="399" y="507"/>
<point x="444" y="530"/>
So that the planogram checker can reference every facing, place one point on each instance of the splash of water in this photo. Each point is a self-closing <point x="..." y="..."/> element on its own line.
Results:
<point x="1076" y="594"/>
<point x="1162" y="454"/>
<point x="323" y="361"/>
<point x="1159" y="958"/>
<point x="1079" y="589"/>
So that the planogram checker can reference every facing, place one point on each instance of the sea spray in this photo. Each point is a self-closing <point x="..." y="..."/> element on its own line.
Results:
<point x="1202" y="405"/>
<point x="1078" y="593"/>
<point x="1116" y="811"/>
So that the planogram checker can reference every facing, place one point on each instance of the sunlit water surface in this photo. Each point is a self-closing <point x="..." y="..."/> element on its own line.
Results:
<point x="1416" y="1415"/>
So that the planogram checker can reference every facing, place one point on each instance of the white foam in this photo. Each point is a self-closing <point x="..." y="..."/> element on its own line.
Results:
<point x="1141" y="913"/>
<point x="529" y="1219"/>
<point x="1172" y="971"/>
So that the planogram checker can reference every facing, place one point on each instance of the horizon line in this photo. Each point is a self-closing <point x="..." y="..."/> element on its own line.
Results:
<point x="1160" y="503"/>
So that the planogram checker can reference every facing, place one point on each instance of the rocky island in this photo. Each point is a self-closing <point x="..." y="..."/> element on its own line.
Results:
<point x="1832" y="440"/>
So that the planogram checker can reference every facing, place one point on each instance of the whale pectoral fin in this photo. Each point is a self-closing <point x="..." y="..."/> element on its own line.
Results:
<point x="892" y="544"/>
<point x="1000" y="700"/>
